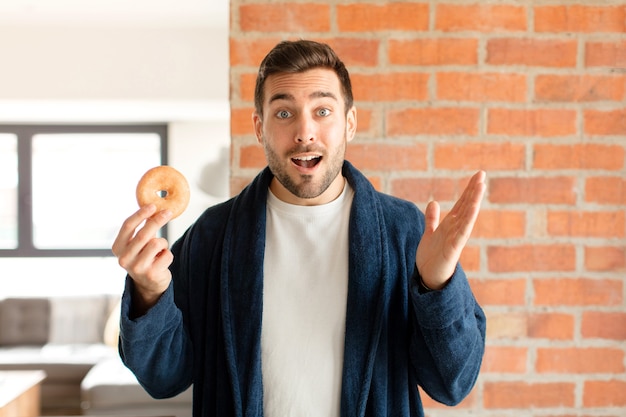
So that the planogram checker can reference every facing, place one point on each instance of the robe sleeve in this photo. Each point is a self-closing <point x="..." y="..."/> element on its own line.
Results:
<point x="156" y="346"/>
<point x="449" y="341"/>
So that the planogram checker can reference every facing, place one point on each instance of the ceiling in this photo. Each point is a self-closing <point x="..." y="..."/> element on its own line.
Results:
<point x="115" y="12"/>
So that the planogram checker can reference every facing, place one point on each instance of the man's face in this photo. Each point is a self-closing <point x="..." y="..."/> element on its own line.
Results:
<point x="304" y="131"/>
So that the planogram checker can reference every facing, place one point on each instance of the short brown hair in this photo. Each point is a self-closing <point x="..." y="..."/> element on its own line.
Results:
<point x="299" y="56"/>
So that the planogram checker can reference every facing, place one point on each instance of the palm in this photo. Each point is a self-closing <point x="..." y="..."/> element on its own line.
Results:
<point x="442" y="243"/>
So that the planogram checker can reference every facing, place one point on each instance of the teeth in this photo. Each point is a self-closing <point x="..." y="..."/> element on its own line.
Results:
<point x="306" y="158"/>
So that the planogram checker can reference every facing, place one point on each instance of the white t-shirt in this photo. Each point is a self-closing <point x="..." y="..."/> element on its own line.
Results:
<point x="304" y="306"/>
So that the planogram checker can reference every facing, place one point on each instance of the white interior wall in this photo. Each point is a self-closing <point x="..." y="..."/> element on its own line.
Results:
<point x="57" y="62"/>
<point x="120" y="74"/>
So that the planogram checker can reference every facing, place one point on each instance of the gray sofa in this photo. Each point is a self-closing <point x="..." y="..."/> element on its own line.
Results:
<point x="69" y="338"/>
<point x="110" y="389"/>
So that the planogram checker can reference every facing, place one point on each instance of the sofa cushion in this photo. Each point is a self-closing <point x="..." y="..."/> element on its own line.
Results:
<point x="79" y="319"/>
<point x="24" y="321"/>
<point x="57" y="320"/>
<point x="62" y="336"/>
<point x="110" y="385"/>
<point x="65" y="367"/>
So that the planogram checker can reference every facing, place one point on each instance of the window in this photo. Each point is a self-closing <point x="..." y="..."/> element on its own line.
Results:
<point x="8" y="191"/>
<point x="65" y="190"/>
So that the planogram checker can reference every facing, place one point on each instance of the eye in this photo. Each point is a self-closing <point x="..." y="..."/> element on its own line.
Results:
<point x="324" y="112"/>
<point x="283" y="114"/>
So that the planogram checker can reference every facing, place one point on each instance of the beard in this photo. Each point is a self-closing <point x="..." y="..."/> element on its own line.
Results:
<point x="305" y="186"/>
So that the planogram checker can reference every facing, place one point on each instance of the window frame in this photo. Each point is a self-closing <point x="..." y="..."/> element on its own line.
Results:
<point x="25" y="133"/>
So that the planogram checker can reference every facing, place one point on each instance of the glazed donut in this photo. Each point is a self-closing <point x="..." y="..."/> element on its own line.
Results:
<point x="164" y="187"/>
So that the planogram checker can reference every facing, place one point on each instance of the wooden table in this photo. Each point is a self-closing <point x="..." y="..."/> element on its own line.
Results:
<point x="20" y="393"/>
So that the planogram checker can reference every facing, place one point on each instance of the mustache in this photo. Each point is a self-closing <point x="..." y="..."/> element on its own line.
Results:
<point x="298" y="149"/>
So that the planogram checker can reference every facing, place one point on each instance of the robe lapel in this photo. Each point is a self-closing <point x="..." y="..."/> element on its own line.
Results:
<point x="242" y="295"/>
<point x="367" y="293"/>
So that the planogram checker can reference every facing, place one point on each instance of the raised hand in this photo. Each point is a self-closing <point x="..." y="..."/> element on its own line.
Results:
<point x="144" y="256"/>
<point x="442" y="243"/>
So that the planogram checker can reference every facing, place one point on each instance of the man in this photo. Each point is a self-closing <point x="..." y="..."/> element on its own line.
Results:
<point x="309" y="293"/>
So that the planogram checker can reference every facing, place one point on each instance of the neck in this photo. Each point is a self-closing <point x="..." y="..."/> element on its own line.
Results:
<point x="333" y="191"/>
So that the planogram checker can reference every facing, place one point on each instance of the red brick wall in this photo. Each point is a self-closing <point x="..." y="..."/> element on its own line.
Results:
<point x="535" y="94"/>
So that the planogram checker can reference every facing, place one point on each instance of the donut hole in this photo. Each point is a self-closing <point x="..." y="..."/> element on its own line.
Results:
<point x="162" y="193"/>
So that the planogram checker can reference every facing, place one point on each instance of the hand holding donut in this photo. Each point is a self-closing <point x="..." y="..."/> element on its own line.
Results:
<point x="143" y="255"/>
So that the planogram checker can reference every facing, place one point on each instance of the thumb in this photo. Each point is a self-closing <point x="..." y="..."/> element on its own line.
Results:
<point x="432" y="216"/>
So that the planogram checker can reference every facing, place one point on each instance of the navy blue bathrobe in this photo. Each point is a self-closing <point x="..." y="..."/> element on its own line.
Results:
<point x="206" y="328"/>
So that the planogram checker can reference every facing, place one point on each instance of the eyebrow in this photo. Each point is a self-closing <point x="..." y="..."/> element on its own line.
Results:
<point x="290" y="97"/>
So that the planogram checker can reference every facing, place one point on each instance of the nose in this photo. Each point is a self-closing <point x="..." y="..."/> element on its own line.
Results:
<point x="305" y="132"/>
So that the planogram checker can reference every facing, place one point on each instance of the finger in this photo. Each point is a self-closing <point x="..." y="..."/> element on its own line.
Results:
<point x="163" y="259"/>
<point x="127" y="231"/>
<point x="469" y="205"/>
<point x="148" y="231"/>
<point x="471" y="195"/>
<point x="475" y="192"/>
<point x="153" y="257"/>
<point x="477" y="187"/>
<point x="431" y="216"/>
<point x="145" y="265"/>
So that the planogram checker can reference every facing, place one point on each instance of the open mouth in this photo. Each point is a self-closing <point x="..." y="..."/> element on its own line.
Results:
<point x="306" y="161"/>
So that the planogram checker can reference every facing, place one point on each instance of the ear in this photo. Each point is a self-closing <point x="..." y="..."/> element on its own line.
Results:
<point x="257" y="122"/>
<point x="351" y="124"/>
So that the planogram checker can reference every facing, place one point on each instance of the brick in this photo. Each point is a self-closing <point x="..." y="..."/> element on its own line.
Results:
<point x="247" y="83"/>
<point x="433" y="121"/>
<point x="437" y="51"/>
<point x="579" y="156"/>
<point x="363" y="17"/>
<point x="605" y="258"/>
<point x="553" y="326"/>
<point x="524" y="395"/>
<point x="580" y="360"/>
<point x="579" y="88"/>
<point x="470" y="258"/>
<point x="284" y="17"/>
<point x="577" y="292"/>
<point x="480" y="155"/>
<point x="551" y="53"/>
<point x="518" y="325"/>
<point x="607" y="224"/>
<point x="252" y="156"/>
<point x="604" y="325"/>
<point x="605" y="54"/>
<point x="569" y="415"/>
<point x="510" y="325"/>
<point x="238" y="183"/>
<point x="504" y="359"/>
<point x="605" y="122"/>
<point x="503" y="292"/>
<point x="579" y="18"/>
<point x="376" y="157"/>
<point x="606" y="190"/>
<point x="356" y="51"/>
<point x="604" y="393"/>
<point x="250" y="52"/>
<point x="390" y="86"/>
<point x="531" y="258"/>
<point x="467" y="403"/>
<point x="540" y="122"/>
<point x="365" y="124"/>
<point x="482" y="87"/>
<point x="534" y="190"/>
<point x="241" y="121"/>
<point x="376" y="182"/>
<point x="423" y="190"/>
<point x="480" y="17"/>
<point x="500" y="224"/>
